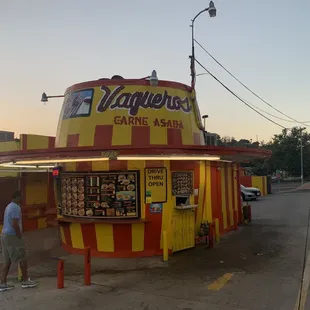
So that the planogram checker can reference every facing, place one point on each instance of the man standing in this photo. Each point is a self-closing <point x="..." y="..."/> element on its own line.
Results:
<point x="13" y="245"/>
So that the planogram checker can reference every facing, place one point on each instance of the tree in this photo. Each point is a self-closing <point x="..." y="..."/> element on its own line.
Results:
<point x="286" y="152"/>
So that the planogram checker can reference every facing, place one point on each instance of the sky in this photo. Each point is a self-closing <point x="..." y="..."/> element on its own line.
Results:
<point x="47" y="46"/>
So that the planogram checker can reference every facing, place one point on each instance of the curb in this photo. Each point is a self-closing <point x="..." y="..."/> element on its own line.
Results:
<point x="293" y="191"/>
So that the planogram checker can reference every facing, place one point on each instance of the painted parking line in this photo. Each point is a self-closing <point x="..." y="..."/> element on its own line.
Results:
<point x="220" y="282"/>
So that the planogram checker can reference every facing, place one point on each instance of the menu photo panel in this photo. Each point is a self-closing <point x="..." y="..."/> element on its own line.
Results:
<point x="101" y="195"/>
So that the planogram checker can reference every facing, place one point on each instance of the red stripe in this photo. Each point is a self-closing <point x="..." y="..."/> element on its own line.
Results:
<point x="246" y="180"/>
<point x="122" y="238"/>
<point x="103" y="136"/>
<point x="89" y="236"/>
<point x="174" y="137"/>
<point x="51" y="142"/>
<point x="73" y="140"/>
<point x="67" y="235"/>
<point x="197" y="138"/>
<point x="152" y="230"/>
<point x="233" y="188"/>
<point x="179" y="165"/>
<point x="205" y="193"/>
<point x="119" y="165"/>
<point x="140" y="136"/>
<point x="154" y="163"/>
<point x="239" y="194"/>
<point x="227" y="197"/>
<point x="138" y="82"/>
<point x="24" y="142"/>
<point x="84" y="166"/>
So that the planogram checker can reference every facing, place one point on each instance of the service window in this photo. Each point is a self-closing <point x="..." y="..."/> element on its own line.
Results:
<point x="182" y="187"/>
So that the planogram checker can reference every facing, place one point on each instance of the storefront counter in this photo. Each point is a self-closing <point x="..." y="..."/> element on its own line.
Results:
<point x="109" y="237"/>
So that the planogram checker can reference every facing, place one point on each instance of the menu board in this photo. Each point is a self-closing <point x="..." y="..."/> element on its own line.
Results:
<point x="72" y="195"/>
<point x="182" y="183"/>
<point x="101" y="195"/>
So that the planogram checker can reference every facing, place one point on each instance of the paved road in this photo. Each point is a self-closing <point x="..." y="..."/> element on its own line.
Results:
<point x="258" y="267"/>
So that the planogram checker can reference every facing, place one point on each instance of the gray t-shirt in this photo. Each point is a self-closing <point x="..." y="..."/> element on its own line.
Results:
<point x="12" y="211"/>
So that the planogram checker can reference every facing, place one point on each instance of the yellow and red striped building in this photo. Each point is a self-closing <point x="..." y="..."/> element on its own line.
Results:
<point x="133" y="119"/>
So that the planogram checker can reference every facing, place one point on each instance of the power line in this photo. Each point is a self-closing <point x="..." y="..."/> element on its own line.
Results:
<point x="238" y="97"/>
<point x="270" y="105"/>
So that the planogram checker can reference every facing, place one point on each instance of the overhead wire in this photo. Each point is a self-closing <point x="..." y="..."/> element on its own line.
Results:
<point x="238" y="97"/>
<point x="291" y="119"/>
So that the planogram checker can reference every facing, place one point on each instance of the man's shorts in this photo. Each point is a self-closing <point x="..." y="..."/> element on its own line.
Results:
<point x="13" y="249"/>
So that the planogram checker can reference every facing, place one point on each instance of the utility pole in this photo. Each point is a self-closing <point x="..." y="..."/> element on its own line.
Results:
<point x="301" y="159"/>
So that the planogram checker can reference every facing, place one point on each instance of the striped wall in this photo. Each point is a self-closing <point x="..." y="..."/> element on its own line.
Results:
<point x="105" y="136"/>
<point x="255" y="181"/>
<point x="34" y="186"/>
<point x="218" y="192"/>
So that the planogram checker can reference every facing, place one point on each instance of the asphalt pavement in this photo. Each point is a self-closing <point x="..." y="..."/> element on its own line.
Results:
<point x="257" y="267"/>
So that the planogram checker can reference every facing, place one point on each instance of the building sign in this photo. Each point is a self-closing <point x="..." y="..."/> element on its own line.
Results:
<point x="126" y="107"/>
<point x="134" y="101"/>
<point x="156" y="184"/>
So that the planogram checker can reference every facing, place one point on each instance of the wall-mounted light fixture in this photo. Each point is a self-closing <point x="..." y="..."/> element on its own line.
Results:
<point x="153" y="79"/>
<point x="45" y="98"/>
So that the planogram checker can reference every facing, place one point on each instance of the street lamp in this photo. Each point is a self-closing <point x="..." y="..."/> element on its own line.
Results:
<point x="153" y="78"/>
<point x="45" y="98"/>
<point x="204" y="121"/>
<point x="212" y="13"/>
<point x="301" y="158"/>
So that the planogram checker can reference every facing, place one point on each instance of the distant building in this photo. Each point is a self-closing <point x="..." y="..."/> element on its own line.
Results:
<point x="6" y="136"/>
<point x="211" y="139"/>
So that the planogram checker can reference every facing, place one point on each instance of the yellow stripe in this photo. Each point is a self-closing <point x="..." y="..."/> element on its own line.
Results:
<point x="76" y="236"/>
<point x="104" y="236"/>
<point x="121" y="135"/>
<point x="220" y="282"/>
<point x="265" y="187"/>
<point x="223" y="189"/>
<point x="1" y="226"/>
<point x="158" y="135"/>
<point x="137" y="237"/>
<point x="258" y="182"/>
<point x="202" y="182"/>
<point x="139" y="165"/>
<point x="70" y="167"/>
<point x="230" y="195"/>
<point x="86" y="137"/>
<point x="62" y="235"/>
<point x="168" y="208"/>
<point x="37" y="142"/>
<point x="42" y="223"/>
<point x="187" y="137"/>
<point x="100" y="165"/>
<point x="208" y="208"/>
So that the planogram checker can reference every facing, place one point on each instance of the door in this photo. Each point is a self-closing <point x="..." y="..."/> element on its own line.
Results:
<point x="183" y="229"/>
